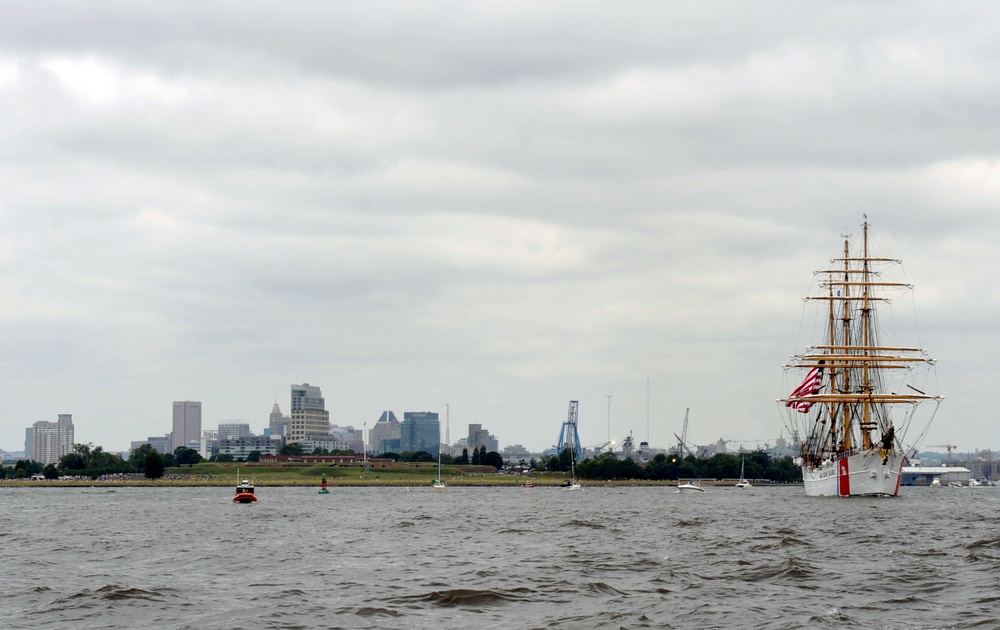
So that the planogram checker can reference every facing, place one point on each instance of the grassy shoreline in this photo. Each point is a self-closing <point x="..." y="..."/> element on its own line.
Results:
<point x="499" y="482"/>
<point x="213" y="474"/>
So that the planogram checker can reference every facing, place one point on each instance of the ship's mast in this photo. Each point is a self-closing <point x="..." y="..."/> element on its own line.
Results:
<point x="832" y="377"/>
<point x="866" y="422"/>
<point x="846" y="387"/>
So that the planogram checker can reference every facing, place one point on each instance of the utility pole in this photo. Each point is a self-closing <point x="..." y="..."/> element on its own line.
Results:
<point x="609" y="417"/>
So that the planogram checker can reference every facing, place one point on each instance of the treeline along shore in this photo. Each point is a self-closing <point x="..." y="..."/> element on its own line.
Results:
<point x="185" y="467"/>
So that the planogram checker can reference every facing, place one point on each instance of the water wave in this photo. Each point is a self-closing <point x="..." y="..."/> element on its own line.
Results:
<point x="467" y="597"/>
<point x="495" y="559"/>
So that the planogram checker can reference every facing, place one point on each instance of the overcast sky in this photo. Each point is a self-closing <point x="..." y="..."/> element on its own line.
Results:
<point x="497" y="206"/>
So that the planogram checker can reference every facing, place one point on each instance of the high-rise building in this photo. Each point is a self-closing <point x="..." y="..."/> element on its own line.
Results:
<point x="50" y="441"/>
<point x="278" y="424"/>
<point x="240" y="447"/>
<point x="232" y="430"/>
<point x="309" y="418"/>
<point x="420" y="431"/>
<point x="478" y="437"/>
<point x="384" y="436"/>
<point x="187" y="423"/>
<point x="160" y="444"/>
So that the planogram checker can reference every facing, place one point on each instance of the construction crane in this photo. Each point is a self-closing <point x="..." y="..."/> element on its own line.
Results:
<point x="950" y="447"/>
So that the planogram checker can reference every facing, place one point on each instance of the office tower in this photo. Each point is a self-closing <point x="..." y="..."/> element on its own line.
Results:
<point x="52" y="440"/>
<point x="420" y="431"/>
<point x="384" y="436"/>
<point x="187" y="423"/>
<point x="478" y="436"/>
<point x="232" y="430"/>
<point x="309" y="417"/>
<point x="277" y="423"/>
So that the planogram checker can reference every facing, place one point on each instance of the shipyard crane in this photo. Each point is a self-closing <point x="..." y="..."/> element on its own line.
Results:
<point x="682" y="438"/>
<point x="682" y="446"/>
<point x="569" y="437"/>
<point x="597" y="448"/>
<point x="950" y="448"/>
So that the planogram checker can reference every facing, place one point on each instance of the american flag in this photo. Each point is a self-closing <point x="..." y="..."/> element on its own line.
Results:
<point x="809" y="387"/>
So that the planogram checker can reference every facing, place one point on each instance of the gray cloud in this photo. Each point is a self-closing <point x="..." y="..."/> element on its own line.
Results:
<point x="500" y="206"/>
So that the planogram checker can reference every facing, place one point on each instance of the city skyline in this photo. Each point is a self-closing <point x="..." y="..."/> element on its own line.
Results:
<point x="419" y="428"/>
<point x="523" y="204"/>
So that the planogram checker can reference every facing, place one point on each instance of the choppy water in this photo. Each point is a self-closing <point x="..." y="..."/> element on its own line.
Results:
<point x="497" y="558"/>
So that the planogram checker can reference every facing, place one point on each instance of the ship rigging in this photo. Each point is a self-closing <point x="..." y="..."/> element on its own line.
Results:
<point x="858" y="399"/>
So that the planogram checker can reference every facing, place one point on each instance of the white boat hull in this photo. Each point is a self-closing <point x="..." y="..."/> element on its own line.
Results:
<point x="690" y="487"/>
<point x="860" y="475"/>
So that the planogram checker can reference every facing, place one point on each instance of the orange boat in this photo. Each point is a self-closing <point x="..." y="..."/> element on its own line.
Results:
<point x="244" y="493"/>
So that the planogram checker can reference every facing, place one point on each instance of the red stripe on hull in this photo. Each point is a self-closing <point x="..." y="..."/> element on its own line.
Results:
<point x="844" y="477"/>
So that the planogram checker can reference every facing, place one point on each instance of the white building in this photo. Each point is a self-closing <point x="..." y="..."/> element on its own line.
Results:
<point x="240" y="447"/>
<point x="50" y="441"/>
<point x="309" y="419"/>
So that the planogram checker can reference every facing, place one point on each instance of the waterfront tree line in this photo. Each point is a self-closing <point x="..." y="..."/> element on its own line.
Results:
<point x="94" y="462"/>
<point x="758" y="465"/>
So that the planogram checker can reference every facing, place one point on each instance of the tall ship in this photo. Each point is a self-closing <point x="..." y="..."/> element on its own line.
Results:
<point x="863" y="403"/>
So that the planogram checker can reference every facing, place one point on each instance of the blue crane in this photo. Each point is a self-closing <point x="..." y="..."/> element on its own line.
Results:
<point x="568" y="436"/>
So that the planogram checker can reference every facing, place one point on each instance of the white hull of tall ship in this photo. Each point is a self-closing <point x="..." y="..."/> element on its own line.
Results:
<point x="860" y="475"/>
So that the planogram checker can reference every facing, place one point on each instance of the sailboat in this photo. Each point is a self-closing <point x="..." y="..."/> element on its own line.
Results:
<point x="743" y="483"/>
<point x="860" y="395"/>
<point x="439" y="482"/>
<point x="573" y="483"/>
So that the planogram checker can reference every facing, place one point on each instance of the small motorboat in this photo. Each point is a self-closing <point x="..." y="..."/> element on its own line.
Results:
<point x="244" y="493"/>
<point x="690" y="486"/>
